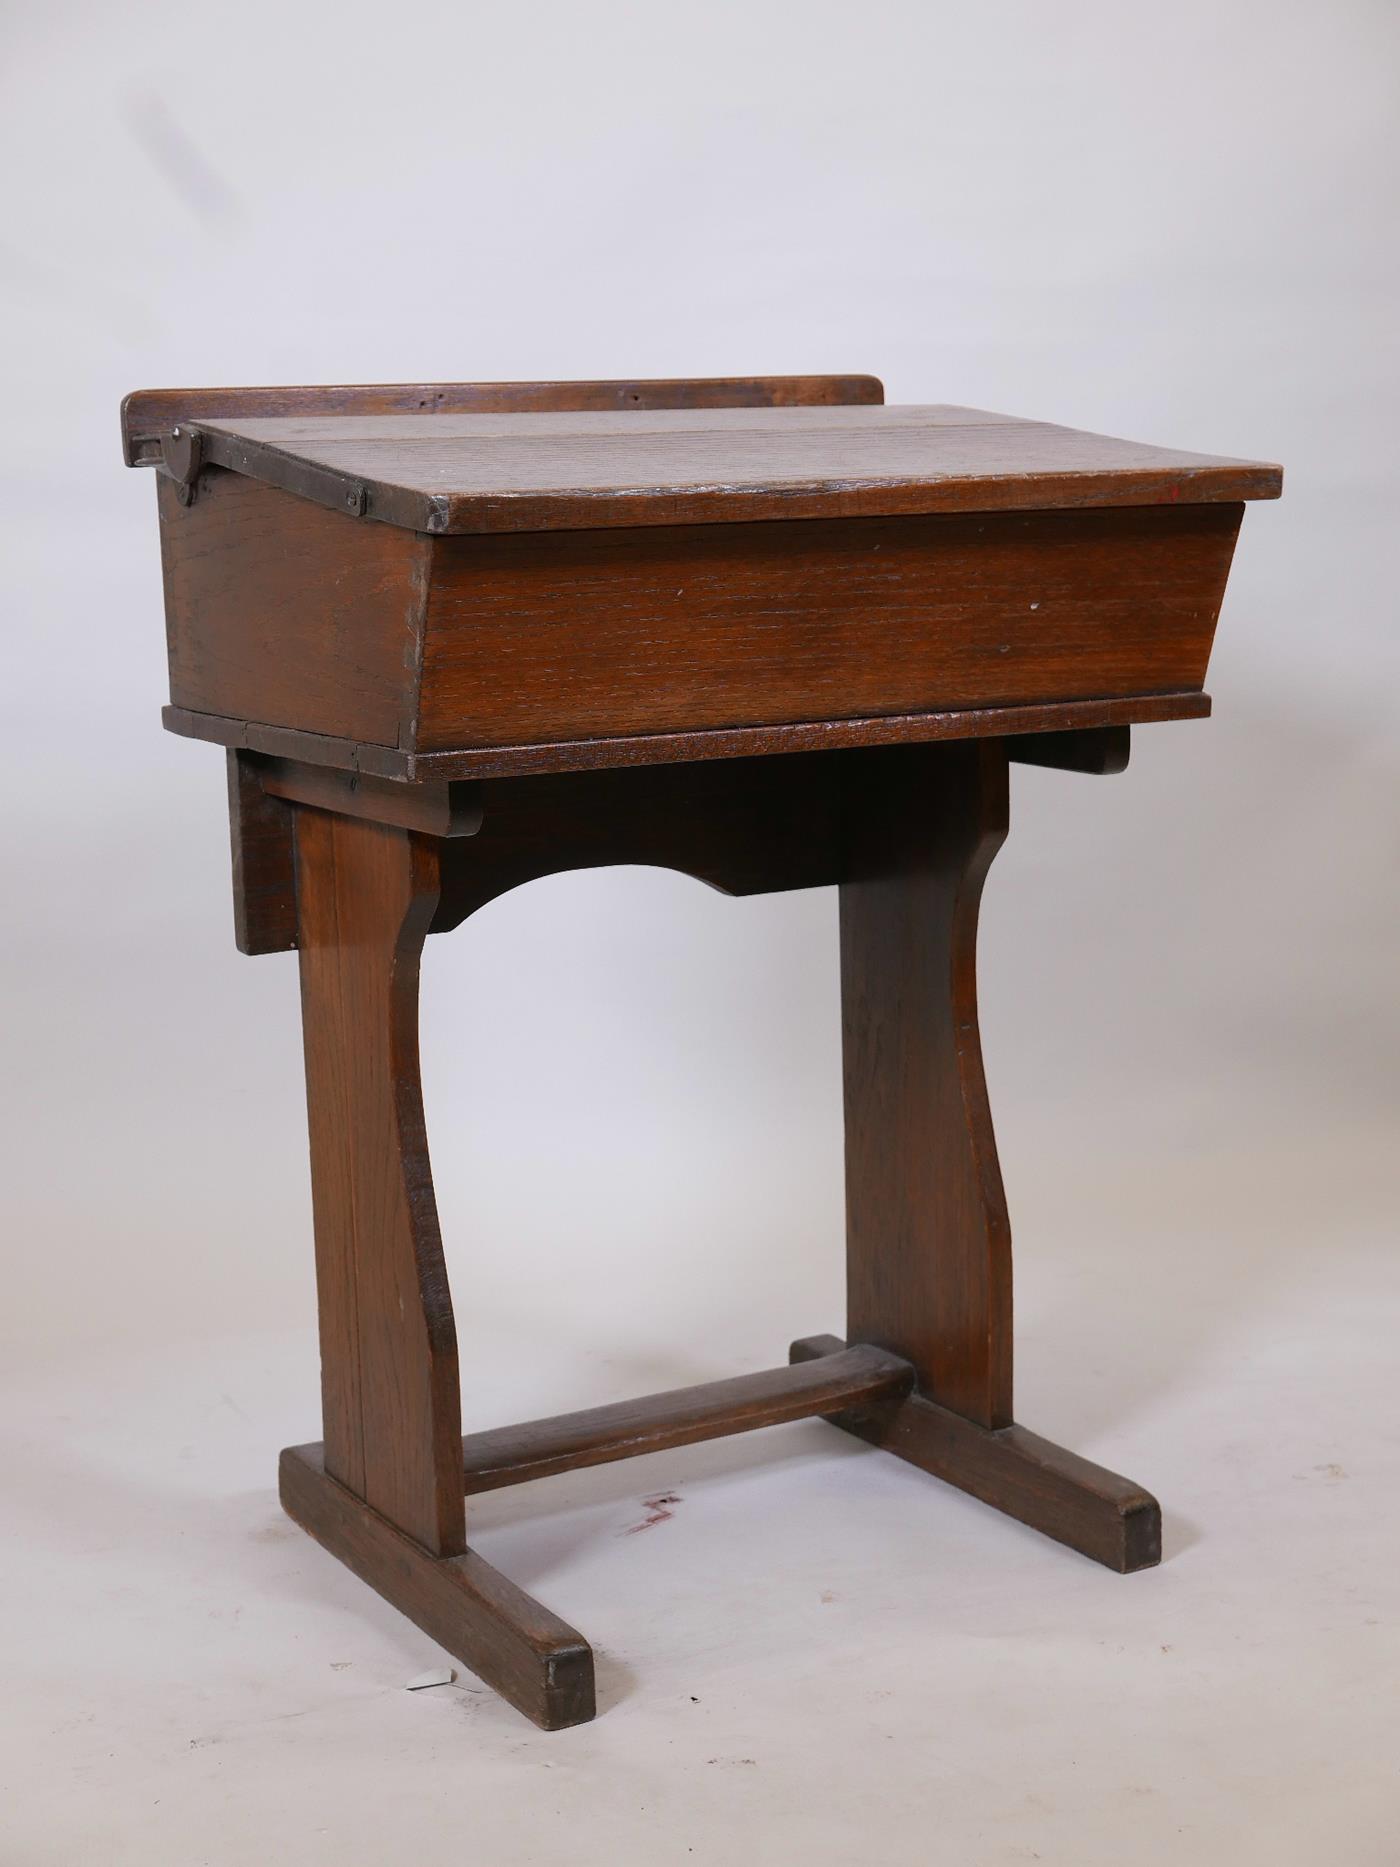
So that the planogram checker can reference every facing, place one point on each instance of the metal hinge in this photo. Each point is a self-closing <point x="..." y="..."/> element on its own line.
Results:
<point x="181" y="456"/>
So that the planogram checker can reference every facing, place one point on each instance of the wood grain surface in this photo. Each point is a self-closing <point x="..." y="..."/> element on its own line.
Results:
<point x="149" y="414"/>
<point x="584" y="470"/>
<point x="612" y="633"/>
<point x="280" y="611"/>
<point x="391" y="1405"/>
<point x="852" y="1381"/>
<point x="558" y="658"/>
<point x="628" y="751"/>
<point x="281" y="614"/>
<point x="263" y="847"/>
<point x="928" y="1241"/>
<point x="577" y="635"/>
<point x="744" y="826"/>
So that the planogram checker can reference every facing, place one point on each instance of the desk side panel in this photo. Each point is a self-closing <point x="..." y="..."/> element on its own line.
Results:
<point x="283" y="613"/>
<point x="578" y="635"/>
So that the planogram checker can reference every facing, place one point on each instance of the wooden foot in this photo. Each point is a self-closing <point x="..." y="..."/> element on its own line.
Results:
<point x="495" y="1629"/>
<point x="1065" y="1497"/>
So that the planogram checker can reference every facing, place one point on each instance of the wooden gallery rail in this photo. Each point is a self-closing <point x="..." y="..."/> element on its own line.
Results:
<point x="768" y="632"/>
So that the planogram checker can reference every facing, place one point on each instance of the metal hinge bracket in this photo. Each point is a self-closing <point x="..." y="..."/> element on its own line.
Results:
<point x="181" y="456"/>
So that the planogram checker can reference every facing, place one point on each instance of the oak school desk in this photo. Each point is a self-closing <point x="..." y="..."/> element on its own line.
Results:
<point x="768" y="632"/>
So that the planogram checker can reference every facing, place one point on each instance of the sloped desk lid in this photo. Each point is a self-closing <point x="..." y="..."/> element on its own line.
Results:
<point x="475" y="473"/>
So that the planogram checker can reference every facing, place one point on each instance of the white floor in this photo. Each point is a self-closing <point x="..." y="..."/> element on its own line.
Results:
<point x="819" y="1657"/>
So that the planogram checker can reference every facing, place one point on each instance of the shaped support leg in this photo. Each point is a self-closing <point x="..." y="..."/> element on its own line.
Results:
<point x="385" y="1492"/>
<point x="928" y="1239"/>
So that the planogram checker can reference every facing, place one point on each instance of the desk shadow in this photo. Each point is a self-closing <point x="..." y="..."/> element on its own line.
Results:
<point x="573" y="1511"/>
<point x="1178" y="1535"/>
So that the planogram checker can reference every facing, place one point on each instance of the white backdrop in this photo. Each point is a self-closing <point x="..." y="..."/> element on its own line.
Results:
<point x="1178" y="225"/>
<point x="1179" y="230"/>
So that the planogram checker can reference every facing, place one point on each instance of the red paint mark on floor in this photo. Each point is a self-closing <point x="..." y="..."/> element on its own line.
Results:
<point x="658" y="1509"/>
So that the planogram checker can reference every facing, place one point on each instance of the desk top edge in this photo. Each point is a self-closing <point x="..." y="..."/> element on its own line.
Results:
<point x="454" y="459"/>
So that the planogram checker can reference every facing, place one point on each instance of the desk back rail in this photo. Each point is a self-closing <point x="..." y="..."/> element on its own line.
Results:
<point x="149" y="414"/>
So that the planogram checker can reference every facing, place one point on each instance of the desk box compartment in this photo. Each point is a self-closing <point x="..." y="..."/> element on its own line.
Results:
<point x="284" y="612"/>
